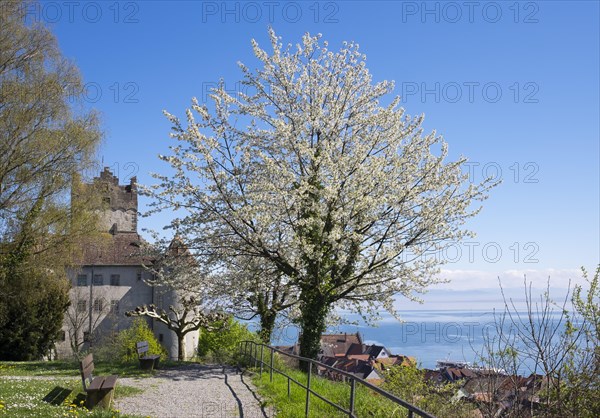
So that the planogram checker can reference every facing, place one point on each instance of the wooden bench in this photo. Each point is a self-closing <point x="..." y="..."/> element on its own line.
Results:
<point x="99" y="389"/>
<point x="147" y="362"/>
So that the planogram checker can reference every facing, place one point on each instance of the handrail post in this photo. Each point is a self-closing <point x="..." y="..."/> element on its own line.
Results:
<point x="261" y="358"/>
<point x="288" y="387"/>
<point x="272" y="353"/>
<point x="352" y="394"/>
<point x="306" y="409"/>
<point x="255" y="354"/>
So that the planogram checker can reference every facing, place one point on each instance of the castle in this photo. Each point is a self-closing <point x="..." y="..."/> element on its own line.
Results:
<point x="111" y="278"/>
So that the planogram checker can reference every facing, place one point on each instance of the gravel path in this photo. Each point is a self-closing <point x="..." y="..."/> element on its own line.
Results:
<point x="193" y="390"/>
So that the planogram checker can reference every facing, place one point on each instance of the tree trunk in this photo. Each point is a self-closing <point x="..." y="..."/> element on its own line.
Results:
<point x="267" y="324"/>
<point x="314" y="312"/>
<point x="180" y="347"/>
<point x="74" y="344"/>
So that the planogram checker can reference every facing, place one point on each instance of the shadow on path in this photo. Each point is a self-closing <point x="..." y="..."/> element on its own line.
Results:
<point x="251" y="390"/>
<point x="237" y="399"/>
<point x="195" y="390"/>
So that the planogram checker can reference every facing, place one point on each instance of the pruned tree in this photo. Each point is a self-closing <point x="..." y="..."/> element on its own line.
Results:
<point x="175" y="271"/>
<point x="340" y="193"/>
<point x="185" y="318"/>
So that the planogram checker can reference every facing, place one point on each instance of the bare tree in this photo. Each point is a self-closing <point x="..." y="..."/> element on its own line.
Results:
<point x="78" y="315"/>
<point x="539" y="359"/>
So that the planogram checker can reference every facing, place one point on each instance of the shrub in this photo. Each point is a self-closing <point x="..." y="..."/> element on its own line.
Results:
<point x="125" y="343"/>
<point x="33" y="307"/>
<point x="409" y="383"/>
<point x="222" y="346"/>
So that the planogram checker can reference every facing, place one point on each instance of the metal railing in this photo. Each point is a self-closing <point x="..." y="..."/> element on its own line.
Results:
<point x="250" y="349"/>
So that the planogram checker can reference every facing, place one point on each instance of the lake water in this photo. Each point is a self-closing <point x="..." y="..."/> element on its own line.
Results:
<point x="428" y="336"/>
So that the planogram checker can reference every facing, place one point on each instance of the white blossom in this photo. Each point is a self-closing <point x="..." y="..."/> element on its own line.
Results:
<point x="315" y="173"/>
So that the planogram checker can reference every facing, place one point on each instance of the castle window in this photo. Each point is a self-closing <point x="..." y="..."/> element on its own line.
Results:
<point x="81" y="305"/>
<point x="161" y="337"/>
<point x="82" y="280"/>
<point x="115" y="279"/>
<point x="139" y="275"/>
<point x="98" y="305"/>
<point x="62" y="336"/>
<point x="98" y="280"/>
<point x="114" y="306"/>
<point x="86" y="336"/>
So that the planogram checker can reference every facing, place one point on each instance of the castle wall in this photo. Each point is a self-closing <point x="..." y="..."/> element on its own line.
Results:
<point x="108" y="314"/>
<point x="120" y="202"/>
<point x="124" y="220"/>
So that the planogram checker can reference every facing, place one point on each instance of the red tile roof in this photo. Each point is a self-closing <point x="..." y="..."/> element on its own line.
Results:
<point x="334" y="345"/>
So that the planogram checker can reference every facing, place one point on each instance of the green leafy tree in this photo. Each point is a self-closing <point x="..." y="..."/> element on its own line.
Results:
<point x="35" y="317"/>
<point x="223" y="345"/>
<point x="126" y="340"/>
<point x="581" y="385"/>
<point x="44" y="142"/>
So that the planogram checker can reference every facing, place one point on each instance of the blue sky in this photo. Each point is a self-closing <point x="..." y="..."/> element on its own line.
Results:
<point x="512" y="86"/>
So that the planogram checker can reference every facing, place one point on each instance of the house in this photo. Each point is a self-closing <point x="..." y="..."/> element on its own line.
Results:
<point x="337" y="345"/>
<point x="383" y="364"/>
<point x="362" y="369"/>
<point x="453" y="374"/>
<point x="111" y="278"/>
<point x="347" y="352"/>
<point x="367" y="352"/>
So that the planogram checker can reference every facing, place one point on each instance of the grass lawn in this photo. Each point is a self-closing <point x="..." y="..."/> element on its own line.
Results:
<point x="71" y="368"/>
<point x="367" y="403"/>
<point x="53" y="389"/>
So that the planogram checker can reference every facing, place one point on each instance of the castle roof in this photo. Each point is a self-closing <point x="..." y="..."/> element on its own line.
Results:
<point x="121" y="248"/>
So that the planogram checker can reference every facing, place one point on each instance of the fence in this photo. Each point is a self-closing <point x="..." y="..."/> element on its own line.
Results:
<point x="250" y="350"/>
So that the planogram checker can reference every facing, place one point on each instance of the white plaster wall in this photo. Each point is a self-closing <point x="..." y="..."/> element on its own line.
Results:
<point x="130" y="293"/>
<point x="164" y="299"/>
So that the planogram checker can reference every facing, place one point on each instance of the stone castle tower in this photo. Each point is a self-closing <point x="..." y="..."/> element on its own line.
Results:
<point x="112" y="278"/>
<point x="120" y="203"/>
